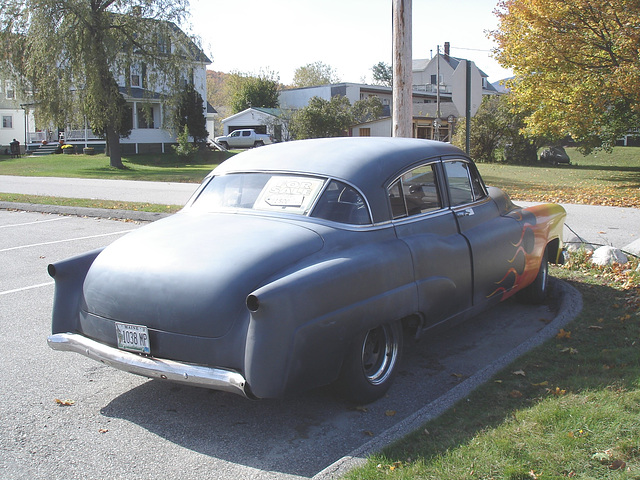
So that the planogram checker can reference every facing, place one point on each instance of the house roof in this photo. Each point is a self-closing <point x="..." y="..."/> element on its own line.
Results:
<point x="274" y="112"/>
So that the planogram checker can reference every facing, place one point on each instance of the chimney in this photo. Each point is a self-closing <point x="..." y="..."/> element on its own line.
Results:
<point x="447" y="47"/>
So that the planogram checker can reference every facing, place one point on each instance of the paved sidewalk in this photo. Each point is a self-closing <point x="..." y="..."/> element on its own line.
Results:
<point x="118" y="190"/>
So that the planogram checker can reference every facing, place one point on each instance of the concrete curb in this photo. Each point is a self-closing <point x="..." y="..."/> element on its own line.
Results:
<point x="570" y="306"/>
<point x="85" y="212"/>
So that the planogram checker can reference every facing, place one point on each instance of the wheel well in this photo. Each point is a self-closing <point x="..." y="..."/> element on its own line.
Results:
<point x="554" y="253"/>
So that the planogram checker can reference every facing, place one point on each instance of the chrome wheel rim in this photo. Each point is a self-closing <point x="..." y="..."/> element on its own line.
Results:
<point x="379" y="354"/>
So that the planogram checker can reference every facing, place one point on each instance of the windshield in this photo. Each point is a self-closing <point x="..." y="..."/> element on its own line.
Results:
<point x="296" y="194"/>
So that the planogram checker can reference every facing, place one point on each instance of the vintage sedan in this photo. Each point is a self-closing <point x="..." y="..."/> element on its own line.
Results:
<point x="303" y="264"/>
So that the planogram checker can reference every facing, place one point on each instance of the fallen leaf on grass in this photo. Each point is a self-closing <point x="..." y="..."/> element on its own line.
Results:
<point x="520" y="372"/>
<point x="563" y="334"/>
<point x="541" y="384"/>
<point x="65" y="403"/>
<point x="515" y="394"/>
<point x="569" y="350"/>
<point x="617" y="465"/>
<point x="595" y="327"/>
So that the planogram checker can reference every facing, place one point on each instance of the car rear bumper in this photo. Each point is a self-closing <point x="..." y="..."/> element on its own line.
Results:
<point x="195" y="375"/>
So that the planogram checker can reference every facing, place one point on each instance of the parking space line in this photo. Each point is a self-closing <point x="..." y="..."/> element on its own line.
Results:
<point x="66" y="240"/>
<point x="27" y="288"/>
<point x="33" y="223"/>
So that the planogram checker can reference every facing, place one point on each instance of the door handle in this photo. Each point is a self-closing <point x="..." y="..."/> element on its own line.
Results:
<point x="467" y="212"/>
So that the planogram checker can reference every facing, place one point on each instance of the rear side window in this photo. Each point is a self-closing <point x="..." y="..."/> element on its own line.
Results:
<point x="415" y="192"/>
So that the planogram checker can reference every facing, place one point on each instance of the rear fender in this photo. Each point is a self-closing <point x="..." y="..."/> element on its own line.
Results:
<point x="302" y="323"/>
<point x="69" y="276"/>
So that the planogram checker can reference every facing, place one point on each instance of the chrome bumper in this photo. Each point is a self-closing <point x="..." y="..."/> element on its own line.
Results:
<point x="214" y="378"/>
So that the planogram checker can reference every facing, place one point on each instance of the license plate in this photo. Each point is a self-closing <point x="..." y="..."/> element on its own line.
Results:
<point x="134" y="338"/>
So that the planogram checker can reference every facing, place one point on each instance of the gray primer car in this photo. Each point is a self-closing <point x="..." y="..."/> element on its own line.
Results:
<point x="298" y="265"/>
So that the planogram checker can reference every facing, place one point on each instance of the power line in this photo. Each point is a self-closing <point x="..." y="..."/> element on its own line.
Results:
<point x="472" y="49"/>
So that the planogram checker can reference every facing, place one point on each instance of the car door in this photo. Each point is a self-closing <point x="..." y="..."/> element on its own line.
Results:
<point x="492" y="238"/>
<point x="235" y="140"/>
<point x="246" y="139"/>
<point x="441" y="257"/>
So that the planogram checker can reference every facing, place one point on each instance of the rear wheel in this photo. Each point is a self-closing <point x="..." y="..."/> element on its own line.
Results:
<point x="225" y="145"/>
<point x="372" y="362"/>
<point x="537" y="291"/>
<point x="259" y="143"/>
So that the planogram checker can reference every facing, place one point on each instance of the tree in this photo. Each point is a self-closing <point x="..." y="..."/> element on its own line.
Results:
<point x="314" y="74"/>
<point x="366" y="110"/>
<point x="254" y="91"/>
<point x="69" y="54"/>
<point x="382" y="74"/>
<point x="576" y="66"/>
<point x="322" y="118"/>
<point x="495" y="128"/>
<point x="189" y="114"/>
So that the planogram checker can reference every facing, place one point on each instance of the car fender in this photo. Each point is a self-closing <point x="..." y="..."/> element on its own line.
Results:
<point x="302" y="323"/>
<point x="69" y="276"/>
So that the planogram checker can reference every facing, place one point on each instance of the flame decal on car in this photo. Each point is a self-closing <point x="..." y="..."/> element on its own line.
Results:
<point x="524" y="264"/>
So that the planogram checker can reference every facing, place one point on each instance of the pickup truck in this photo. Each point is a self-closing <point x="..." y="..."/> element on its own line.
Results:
<point x="245" y="138"/>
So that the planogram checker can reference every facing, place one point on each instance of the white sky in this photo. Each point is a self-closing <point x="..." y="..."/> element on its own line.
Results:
<point x="349" y="35"/>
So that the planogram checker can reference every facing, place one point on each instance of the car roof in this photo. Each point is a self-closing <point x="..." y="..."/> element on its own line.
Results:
<point x="365" y="162"/>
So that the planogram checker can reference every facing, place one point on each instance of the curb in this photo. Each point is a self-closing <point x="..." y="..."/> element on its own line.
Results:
<point x="114" y="214"/>
<point x="569" y="307"/>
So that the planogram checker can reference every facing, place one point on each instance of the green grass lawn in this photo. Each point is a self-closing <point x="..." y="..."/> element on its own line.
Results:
<point x="598" y="179"/>
<point x="158" y="168"/>
<point x="568" y="409"/>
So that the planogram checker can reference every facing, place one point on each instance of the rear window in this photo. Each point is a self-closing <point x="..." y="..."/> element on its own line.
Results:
<point x="297" y="194"/>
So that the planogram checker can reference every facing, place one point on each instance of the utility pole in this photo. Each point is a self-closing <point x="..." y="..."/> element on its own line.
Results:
<point x="402" y="125"/>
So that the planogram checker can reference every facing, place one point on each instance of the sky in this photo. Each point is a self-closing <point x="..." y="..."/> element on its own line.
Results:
<point x="351" y="36"/>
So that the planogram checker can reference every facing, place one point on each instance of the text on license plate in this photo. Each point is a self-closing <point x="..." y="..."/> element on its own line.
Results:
<point x="134" y="338"/>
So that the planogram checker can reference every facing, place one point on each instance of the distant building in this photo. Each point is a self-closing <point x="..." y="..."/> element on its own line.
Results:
<point x="148" y="134"/>
<point x="434" y="88"/>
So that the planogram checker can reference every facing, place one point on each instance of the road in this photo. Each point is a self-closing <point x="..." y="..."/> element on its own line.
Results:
<point x="121" y="426"/>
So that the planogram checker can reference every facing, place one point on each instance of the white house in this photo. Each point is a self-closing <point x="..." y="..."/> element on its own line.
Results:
<point x="15" y="118"/>
<point x="149" y="133"/>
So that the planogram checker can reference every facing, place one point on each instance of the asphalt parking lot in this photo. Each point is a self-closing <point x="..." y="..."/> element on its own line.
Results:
<point x="122" y="426"/>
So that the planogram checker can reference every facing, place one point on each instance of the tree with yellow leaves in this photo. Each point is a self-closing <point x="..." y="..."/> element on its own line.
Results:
<point x="576" y="65"/>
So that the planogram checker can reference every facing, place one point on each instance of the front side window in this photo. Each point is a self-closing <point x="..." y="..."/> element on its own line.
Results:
<point x="415" y="192"/>
<point x="465" y="185"/>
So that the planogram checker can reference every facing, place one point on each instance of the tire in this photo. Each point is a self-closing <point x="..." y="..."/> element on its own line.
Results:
<point x="259" y="143"/>
<point x="371" y="364"/>
<point x="536" y="293"/>
<point x="225" y="145"/>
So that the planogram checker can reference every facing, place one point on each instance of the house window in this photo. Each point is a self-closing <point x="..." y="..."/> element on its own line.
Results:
<point x="365" y="132"/>
<point x="145" y="117"/>
<point x="135" y="80"/>
<point x="9" y="91"/>
<point x="164" y="45"/>
<point x="7" y="121"/>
